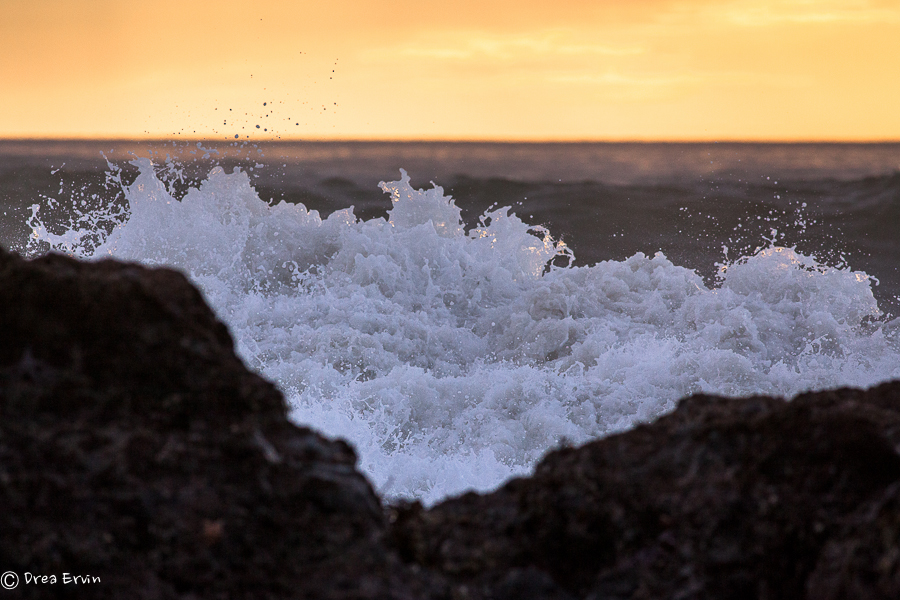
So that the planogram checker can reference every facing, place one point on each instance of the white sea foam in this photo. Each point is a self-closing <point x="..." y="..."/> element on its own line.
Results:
<point x="453" y="360"/>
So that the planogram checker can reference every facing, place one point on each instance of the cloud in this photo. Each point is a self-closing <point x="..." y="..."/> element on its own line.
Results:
<point x="481" y="46"/>
<point x="799" y="12"/>
<point x="613" y="78"/>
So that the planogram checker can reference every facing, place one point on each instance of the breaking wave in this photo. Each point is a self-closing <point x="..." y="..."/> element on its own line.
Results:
<point x="453" y="359"/>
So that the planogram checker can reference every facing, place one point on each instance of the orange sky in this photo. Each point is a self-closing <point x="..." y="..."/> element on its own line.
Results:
<point x="446" y="69"/>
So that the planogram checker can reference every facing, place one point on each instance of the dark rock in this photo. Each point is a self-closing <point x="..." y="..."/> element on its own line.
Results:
<point x="862" y="561"/>
<point x="723" y="498"/>
<point x="136" y="447"/>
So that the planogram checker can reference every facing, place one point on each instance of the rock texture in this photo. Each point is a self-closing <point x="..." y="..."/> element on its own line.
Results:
<point x="135" y="447"/>
<point x="723" y="498"/>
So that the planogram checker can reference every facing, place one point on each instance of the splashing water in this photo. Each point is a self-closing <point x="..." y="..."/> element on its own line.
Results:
<point x="453" y="360"/>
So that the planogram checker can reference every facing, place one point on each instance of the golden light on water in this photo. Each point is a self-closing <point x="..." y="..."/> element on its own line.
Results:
<point x="599" y="69"/>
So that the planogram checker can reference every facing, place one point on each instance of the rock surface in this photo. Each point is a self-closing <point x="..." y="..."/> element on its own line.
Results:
<point x="723" y="498"/>
<point x="136" y="447"/>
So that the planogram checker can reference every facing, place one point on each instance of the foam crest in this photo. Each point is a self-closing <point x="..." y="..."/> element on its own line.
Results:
<point x="453" y="360"/>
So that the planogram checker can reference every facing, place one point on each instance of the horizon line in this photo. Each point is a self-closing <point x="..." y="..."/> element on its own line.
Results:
<point x="447" y="140"/>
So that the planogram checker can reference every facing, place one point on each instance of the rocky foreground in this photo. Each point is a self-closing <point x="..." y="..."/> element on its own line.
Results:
<point x="136" y="448"/>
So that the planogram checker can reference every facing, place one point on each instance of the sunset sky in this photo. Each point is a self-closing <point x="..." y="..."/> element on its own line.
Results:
<point x="447" y="69"/>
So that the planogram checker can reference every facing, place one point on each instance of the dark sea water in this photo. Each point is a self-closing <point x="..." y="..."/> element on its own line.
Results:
<point x="453" y="357"/>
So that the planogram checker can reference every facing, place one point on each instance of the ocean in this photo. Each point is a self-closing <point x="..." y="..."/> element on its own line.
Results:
<point x="502" y="299"/>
